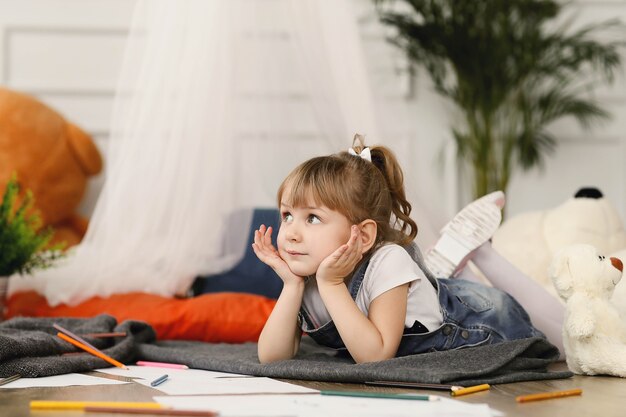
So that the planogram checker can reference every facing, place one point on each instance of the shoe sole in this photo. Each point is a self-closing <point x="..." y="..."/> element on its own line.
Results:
<point x="466" y="232"/>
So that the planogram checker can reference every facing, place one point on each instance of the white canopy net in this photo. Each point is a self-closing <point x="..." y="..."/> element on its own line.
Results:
<point x="217" y="101"/>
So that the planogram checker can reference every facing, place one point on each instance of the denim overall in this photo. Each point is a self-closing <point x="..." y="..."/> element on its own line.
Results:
<point x="473" y="315"/>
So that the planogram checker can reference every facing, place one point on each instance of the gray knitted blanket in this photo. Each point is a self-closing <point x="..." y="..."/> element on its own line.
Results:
<point x="28" y="346"/>
<point x="515" y="361"/>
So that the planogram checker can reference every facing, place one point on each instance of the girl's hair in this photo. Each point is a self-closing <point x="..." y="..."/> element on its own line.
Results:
<point x="358" y="189"/>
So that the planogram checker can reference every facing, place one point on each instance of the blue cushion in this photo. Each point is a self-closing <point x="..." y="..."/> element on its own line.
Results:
<point x="250" y="275"/>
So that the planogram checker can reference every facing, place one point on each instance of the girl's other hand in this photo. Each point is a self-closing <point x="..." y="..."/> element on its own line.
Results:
<point x="267" y="253"/>
<point x="341" y="262"/>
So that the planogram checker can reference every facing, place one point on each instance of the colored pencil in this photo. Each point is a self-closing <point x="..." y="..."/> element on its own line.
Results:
<point x="469" y="390"/>
<point x="381" y="395"/>
<point x="78" y="339"/>
<point x="97" y="353"/>
<point x="161" y="412"/>
<point x="548" y="395"/>
<point x="159" y="380"/>
<point x="74" y="336"/>
<point x="102" y="335"/>
<point x="162" y="365"/>
<point x="9" y="379"/>
<point x="80" y="405"/>
<point x="418" y="385"/>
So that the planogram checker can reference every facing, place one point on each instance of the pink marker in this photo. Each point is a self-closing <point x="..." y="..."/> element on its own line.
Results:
<point x="162" y="365"/>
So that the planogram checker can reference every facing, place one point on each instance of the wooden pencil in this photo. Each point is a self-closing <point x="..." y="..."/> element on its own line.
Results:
<point x="10" y="379"/>
<point x="152" y="411"/>
<point x="103" y="335"/>
<point x="548" y="395"/>
<point x="469" y="390"/>
<point x="97" y="353"/>
<point x="74" y="336"/>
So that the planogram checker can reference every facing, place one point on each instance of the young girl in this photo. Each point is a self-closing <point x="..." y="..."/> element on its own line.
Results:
<point x="351" y="275"/>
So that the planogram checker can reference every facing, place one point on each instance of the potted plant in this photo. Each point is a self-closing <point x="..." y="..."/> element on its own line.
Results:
<point x="22" y="241"/>
<point x="510" y="70"/>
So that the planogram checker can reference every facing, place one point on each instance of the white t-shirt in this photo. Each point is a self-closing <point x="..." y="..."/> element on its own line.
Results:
<point x="390" y="266"/>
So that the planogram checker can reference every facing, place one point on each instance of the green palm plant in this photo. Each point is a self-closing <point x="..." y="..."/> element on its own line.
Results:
<point x="22" y="241"/>
<point x="510" y="75"/>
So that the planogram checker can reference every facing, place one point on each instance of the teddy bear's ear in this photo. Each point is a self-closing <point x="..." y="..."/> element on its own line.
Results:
<point x="84" y="149"/>
<point x="560" y="273"/>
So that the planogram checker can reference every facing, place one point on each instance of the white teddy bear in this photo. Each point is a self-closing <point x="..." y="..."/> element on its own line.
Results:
<point x="594" y="335"/>
<point x="530" y="240"/>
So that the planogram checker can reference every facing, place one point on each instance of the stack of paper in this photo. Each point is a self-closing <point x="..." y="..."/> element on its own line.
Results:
<point x="61" y="381"/>
<point x="315" y="405"/>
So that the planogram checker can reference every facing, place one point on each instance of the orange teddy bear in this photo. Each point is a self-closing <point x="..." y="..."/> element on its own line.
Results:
<point x="51" y="156"/>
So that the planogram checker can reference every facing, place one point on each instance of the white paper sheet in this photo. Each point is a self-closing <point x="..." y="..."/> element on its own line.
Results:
<point x="182" y="385"/>
<point x="313" y="405"/>
<point x="61" y="381"/>
<point x="150" y="373"/>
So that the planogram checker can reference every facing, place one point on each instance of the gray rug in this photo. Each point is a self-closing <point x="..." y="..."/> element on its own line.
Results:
<point x="520" y="360"/>
<point x="28" y="346"/>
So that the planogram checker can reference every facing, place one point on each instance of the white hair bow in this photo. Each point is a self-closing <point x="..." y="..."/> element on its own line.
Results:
<point x="365" y="153"/>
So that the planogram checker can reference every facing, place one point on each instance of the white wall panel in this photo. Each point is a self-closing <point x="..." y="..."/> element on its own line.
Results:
<point x="583" y="13"/>
<point x="584" y="163"/>
<point x="68" y="52"/>
<point x="92" y="110"/>
<point x="613" y="129"/>
<point x="68" y="61"/>
<point x="67" y="13"/>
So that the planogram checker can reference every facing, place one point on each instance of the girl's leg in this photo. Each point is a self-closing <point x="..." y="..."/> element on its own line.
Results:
<point x="469" y="275"/>
<point x="466" y="237"/>
<point x="546" y="311"/>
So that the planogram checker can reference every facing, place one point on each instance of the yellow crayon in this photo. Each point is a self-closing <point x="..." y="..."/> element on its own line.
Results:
<point x="80" y="405"/>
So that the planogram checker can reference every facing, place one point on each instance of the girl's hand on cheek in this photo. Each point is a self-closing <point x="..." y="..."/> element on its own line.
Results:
<point x="341" y="262"/>
<point x="267" y="253"/>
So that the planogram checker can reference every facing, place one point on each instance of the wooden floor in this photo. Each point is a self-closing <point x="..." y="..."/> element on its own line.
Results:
<point x="602" y="396"/>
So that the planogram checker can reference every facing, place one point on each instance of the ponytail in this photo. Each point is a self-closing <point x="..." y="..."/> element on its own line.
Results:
<point x="385" y="161"/>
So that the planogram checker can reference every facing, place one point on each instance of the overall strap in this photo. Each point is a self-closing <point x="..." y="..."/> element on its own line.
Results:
<point x="417" y="256"/>
<point x="357" y="279"/>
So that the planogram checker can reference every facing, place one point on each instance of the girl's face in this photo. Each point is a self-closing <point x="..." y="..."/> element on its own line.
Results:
<point x="309" y="234"/>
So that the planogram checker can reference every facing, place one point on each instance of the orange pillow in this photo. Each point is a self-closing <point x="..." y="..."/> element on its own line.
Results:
<point x="215" y="317"/>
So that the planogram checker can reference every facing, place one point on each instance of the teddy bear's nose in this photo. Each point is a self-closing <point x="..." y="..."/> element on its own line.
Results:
<point x="617" y="264"/>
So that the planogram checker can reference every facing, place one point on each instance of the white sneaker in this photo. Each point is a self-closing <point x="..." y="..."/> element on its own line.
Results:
<point x="469" y="229"/>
